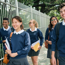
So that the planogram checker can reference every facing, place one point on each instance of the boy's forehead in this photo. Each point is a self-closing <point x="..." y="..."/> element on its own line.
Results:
<point x="5" y="20"/>
<point x="63" y="8"/>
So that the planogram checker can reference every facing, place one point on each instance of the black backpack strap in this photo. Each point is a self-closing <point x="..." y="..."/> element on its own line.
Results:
<point x="57" y="30"/>
<point x="57" y="33"/>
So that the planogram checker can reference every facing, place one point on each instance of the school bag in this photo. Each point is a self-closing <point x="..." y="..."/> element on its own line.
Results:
<point x="6" y="56"/>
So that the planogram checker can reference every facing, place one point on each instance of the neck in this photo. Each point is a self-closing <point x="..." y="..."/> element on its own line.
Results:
<point x="17" y="30"/>
<point x="53" y="26"/>
<point x="32" y="28"/>
<point x="6" y="27"/>
<point x="64" y="20"/>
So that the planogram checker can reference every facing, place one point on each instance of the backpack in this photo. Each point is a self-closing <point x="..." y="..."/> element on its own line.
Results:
<point x="57" y="30"/>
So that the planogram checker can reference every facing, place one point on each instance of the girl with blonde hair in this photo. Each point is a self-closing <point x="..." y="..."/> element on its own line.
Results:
<point x="35" y="35"/>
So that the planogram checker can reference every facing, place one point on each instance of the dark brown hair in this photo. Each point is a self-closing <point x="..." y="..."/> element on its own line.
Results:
<point x="50" y="25"/>
<point x="61" y="6"/>
<point x="19" y="19"/>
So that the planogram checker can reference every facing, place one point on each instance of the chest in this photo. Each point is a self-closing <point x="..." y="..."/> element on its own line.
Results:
<point x="51" y="34"/>
<point x="5" y="33"/>
<point x="62" y="31"/>
<point x="33" y="34"/>
<point x="17" y="39"/>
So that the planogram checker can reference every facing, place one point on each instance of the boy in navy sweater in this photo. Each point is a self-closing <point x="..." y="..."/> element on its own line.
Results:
<point x="5" y="31"/>
<point x="61" y="39"/>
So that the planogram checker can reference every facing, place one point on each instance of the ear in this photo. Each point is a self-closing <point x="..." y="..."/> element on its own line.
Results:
<point x="20" y="23"/>
<point x="8" y="23"/>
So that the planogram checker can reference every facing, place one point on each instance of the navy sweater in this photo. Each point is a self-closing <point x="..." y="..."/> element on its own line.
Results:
<point x="50" y="34"/>
<point x="61" y="41"/>
<point x="20" y="43"/>
<point x="34" y="36"/>
<point x="4" y="34"/>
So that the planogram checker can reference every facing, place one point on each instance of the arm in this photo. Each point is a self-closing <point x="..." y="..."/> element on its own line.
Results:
<point x="25" y="50"/>
<point x="41" y="37"/>
<point x="54" y="46"/>
<point x="27" y="45"/>
<point x="46" y="37"/>
<point x="0" y="37"/>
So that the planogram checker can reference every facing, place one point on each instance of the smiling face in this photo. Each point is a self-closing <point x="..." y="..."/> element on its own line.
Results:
<point x="53" y="21"/>
<point x="16" y="24"/>
<point x="5" y="23"/>
<point x="62" y="12"/>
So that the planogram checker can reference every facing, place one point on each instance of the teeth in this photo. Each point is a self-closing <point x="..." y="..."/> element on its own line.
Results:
<point x="63" y="15"/>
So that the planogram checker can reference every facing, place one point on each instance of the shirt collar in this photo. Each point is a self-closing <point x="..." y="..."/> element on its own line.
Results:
<point x="34" y="30"/>
<point x="7" y="28"/>
<point x="18" y="32"/>
<point x="63" y="23"/>
<point x="52" y="28"/>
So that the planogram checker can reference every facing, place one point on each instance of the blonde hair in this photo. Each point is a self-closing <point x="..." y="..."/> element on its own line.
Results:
<point x="35" y="22"/>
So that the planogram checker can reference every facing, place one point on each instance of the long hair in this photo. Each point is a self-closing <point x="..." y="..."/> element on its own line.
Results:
<point x="19" y="19"/>
<point x="50" y="25"/>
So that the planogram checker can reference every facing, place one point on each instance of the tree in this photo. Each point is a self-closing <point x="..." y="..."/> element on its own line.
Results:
<point x="45" y="6"/>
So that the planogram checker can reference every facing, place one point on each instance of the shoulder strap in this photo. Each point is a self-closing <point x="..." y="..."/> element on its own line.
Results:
<point x="57" y="30"/>
<point x="11" y="34"/>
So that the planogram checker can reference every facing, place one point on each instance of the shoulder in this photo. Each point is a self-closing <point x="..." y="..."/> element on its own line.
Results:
<point x="47" y="29"/>
<point x="1" y="29"/>
<point x="58" y="24"/>
<point x="38" y="30"/>
<point x="24" y="33"/>
<point x="28" y="30"/>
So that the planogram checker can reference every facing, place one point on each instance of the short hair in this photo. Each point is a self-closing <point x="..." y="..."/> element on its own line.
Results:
<point x="61" y="6"/>
<point x="6" y="19"/>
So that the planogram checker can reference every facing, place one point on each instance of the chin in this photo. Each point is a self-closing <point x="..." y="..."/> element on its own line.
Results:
<point x="15" y="28"/>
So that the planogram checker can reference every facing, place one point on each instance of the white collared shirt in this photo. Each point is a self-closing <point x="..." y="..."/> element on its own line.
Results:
<point x="63" y="23"/>
<point x="6" y="29"/>
<point x="34" y="30"/>
<point x="18" y="32"/>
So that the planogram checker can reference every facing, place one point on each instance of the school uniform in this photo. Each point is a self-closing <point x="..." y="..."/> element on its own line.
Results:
<point x="20" y="43"/>
<point x="60" y="43"/>
<point x="50" y="34"/>
<point x="4" y="33"/>
<point x="34" y="36"/>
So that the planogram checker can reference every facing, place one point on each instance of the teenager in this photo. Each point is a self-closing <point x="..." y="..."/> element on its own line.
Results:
<point x="48" y="36"/>
<point x="59" y="37"/>
<point x="35" y="35"/>
<point x="5" y="31"/>
<point x="20" y="44"/>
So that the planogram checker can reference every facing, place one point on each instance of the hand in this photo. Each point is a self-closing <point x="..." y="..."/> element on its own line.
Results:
<point x="49" y="42"/>
<point x="53" y="61"/>
<point x="4" y="41"/>
<point x="31" y="47"/>
<point x="39" y="47"/>
<point x="13" y="54"/>
<point x="8" y="51"/>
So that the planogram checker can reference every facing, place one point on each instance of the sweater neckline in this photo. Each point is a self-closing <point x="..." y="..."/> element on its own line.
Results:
<point x="21" y="31"/>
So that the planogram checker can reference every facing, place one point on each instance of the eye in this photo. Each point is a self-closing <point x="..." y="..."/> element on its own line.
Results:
<point x="60" y="11"/>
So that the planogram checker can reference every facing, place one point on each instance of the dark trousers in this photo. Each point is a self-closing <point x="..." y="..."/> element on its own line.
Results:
<point x="22" y="61"/>
<point x="61" y="60"/>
